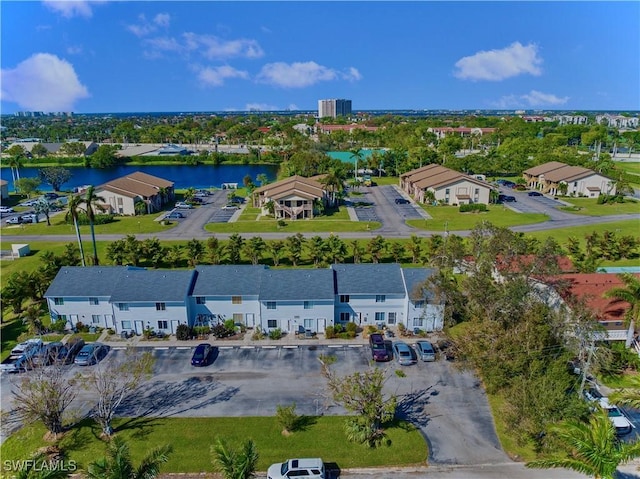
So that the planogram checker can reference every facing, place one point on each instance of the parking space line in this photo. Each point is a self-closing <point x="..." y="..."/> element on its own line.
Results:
<point x="247" y="347"/>
<point x="119" y="348"/>
<point x="355" y="345"/>
<point x="335" y="346"/>
<point x="269" y="347"/>
<point x="161" y="347"/>
<point x="225" y="347"/>
<point x="183" y="347"/>
<point x="289" y="347"/>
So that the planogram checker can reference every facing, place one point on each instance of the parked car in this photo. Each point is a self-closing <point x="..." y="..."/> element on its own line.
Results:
<point x="29" y="218"/>
<point x="174" y="215"/>
<point x="426" y="351"/>
<point x="506" y="198"/>
<point x="201" y="355"/>
<point x="6" y="209"/>
<point x="14" y="220"/>
<point x="592" y="394"/>
<point x="230" y="207"/>
<point x="48" y="354"/>
<point x="403" y="353"/>
<point x="308" y="467"/>
<point x="71" y="349"/>
<point x="51" y="196"/>
<point x="506" y="183"/>
<point x="618" y="419"/>
<point x="183" y="205"/>
<point x="378" y="347"/>
<point x="534" y="193"/>
<point x="90" y="354"/>
<point x="402" y="201"/>
<point x="197" y="199"/>
<point x="23" y="347"/>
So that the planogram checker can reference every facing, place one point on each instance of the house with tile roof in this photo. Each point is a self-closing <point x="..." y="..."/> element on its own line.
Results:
<point x="133" y="299"/>
<point x="293" y="198"/>
<point x="579" y="181"/>
<point x="122" y="194"/>
<point x="445" y="185"/>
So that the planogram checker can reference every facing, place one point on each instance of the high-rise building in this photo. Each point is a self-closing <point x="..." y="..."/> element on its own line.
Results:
<point x="334" y="108"/>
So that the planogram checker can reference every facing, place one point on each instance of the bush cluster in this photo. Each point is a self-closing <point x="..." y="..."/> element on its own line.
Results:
<point x="472" y="207"/>
<point x="340" y="331"/>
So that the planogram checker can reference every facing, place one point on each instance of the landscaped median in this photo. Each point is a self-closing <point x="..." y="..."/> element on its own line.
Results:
<point x="448" y="218"/>
<point x="191" y="439"/>
<point x="590" y="207"/>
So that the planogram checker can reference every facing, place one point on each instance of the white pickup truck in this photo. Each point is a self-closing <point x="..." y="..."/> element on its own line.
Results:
<point x="21" y="355"/>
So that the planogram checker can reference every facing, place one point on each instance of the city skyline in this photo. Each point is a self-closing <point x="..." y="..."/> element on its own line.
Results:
<point x="155" y="56"/>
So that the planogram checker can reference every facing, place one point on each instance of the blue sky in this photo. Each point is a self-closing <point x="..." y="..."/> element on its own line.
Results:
<point x="114" y="56"/>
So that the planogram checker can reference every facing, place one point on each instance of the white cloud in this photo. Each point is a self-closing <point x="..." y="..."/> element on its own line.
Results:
<point x="352" y="74"/>
<point x="260" y="107"/>
<point x="532" y="99"/>
<point x="42" y="82"/>
<point x="146" y="27"/>
<point x="216" y="76"/>
<point x="74" y="50"/>
<point x="72" y="8"/>
<point x="295" y="75"/>
<point x="208" y="46"/>
<point x="496" y="65"/>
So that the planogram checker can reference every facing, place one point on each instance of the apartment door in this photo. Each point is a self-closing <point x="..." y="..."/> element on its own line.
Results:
<point x="174" y="325"/>
<point x="250" y="320"/>
<point x="322" y="325"/>
<point x="108" y="321"/>
<point x="138" y="326"/>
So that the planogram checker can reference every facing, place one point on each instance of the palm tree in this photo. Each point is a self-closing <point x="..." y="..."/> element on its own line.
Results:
<point x="34" y="469"/>
<point x="631" y="294"/>
<point x="628" y="396"/>
<point x="91" y="201"/>
<point x="234" y="464"/>
<point x="117" y="463"/>
<point x="593" y="448"/>
<point x="73" y="205"/>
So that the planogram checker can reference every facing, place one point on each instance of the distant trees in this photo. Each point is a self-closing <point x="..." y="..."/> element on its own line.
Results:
<point x="55" y="176"/>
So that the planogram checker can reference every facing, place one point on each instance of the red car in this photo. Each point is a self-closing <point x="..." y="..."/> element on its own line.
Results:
<point x="379" y="350"/>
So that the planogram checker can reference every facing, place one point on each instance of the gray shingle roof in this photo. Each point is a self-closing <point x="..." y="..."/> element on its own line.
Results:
<point x="227" y="280"/>
<point x="413" y="277"/>
<point x="153" y="285"/>
<point x="297" y="284"/>
<point x="369" y="278"/>
<point x="77" y="281"/>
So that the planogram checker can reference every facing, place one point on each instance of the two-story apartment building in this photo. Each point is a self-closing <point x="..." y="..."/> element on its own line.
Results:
<point x="292" y="198"/>
<point x="122" y="194"/>
<point x="548" y="178"/>
<point x="444" y="185"/>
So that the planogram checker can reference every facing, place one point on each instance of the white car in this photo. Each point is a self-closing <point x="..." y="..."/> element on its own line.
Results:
<point x="6" y="209"/>
<point x="182" y="204"/>
<point x="310" y="467"/>
<point x="618" y="419"/>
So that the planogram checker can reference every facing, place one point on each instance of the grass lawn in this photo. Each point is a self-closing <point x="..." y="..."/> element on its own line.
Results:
<point x="292" y="227"/>
<point x="516" y="451"/>
<point x="456" y="221"/>
<point x="322" y="437"/>
<point x="590" y="207"/>
<point x="620" y="228"/>
<point x="629" y="167"/>
<point x="120" y="225"/>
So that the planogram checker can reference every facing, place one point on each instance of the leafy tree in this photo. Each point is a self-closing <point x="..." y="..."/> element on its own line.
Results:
<point x="153" y="251"/>
<point x="195" y="251"/>
<point x="629" y="293"/>
<point x="357" y="250"/>
<point x="214" y="250"/>
<point x="254" y="248"/>
<point x="16" y="291"/>
<point x="104" y="157"/>
<point x="17" y="154"/>
<point x="73" y="211"/>
<point x="361" y="393"/>
<point x="90" y="202"/>
<point x="117" y="252"/>
<point x="316" y="249"/>
<point x="287" y="418"/>
<point x="27" y="186"/>
<point x="336" y="250"/>
<point x="592" y="449"/>
<point x="234" y="247"/>
<point x="42" y="206"/>
<point x="275" y="248"/>
<point x="414" y="246"/>
<point x="629" y="396"/>
<point x="73" y="148"/>
<point x="262" y="179"/>
<point x="295" y="244"/>
<point x="376" y="248"/>
<point x="55" y="176"/>
<point x="397" y="251"/>
<point x="38" y="150"/>
<point x="44" y="394"/>
<point x="117" y="464"/>
<point x="112" y="381"/>
<point x="173" y="255"/>
<point x="235" y="463"/>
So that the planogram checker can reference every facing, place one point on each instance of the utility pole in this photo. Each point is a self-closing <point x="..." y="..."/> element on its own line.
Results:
<point x="585" y="370"/>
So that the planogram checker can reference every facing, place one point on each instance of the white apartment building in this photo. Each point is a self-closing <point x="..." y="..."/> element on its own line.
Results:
<point x="333" y="108"/>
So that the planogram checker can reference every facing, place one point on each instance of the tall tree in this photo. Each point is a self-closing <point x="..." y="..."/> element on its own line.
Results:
<point x="73" y="212"/>
<point x="254" y="249"/>
<point x="629" y="293"/>
<point x="376" y="248"/>
<point x="234" y="247"/>
<point x="118" y="464"/>
<point x="235" y="463"/>
<point x="214" y="250"/>
<point x="316" y="249"/>
<point x="55" y="176"/>
<point x="275" y="248"/>
<point x="195" y="251"/>
<point x="294" y="245"/>
<point x="42" y="206"/>
<point x="91" y="202"/>
<point x="592" y="449"/>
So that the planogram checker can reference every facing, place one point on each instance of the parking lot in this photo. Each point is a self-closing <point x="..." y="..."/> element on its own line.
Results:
<point x="383" y="204"/>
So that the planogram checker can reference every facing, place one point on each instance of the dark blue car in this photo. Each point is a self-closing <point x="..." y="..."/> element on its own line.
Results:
<point x="201" y="355"/>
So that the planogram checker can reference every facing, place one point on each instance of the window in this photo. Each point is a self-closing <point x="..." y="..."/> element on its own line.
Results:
<point x="380" y="316"/>
<point x="419" y="303"/>
<point x="380" y="298"/>
<point x="345" y="317"/>
<point x="271" y="304"/>
<point x="163" y="324"/>
<point x="237" y="318"/>
<point x="161" y="306"/>
<point x="62" y="316"/>
<point x="201" y="300"/>
<point x="126" y="324"/>
<point x="308" y="305"/>
<point x="95" y="318"/>
<point x="123" y="307"/>
<point x="272" y="323"/>
<point x="417" y="322"/>
<point x="94" y="301"/>
<point x="344" y="298"/>
<point x="236" y="299"/>
<point x="392" y="318"/>
<point x="58" y="301"/>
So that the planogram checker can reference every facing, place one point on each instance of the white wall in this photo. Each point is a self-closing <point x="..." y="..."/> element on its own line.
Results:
<point x="146" y="313"/>
<point x="222" y="306"/>
<point x="363" y="308"/>
<point x="429" y="317"/>
<point x="79" y="310"/>
<point x="291" y="314"/>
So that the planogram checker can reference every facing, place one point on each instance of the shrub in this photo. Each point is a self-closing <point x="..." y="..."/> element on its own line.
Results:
<point x="257" y="335"/>
<point x="401" y="328"/>
<point x="275" y="333"/>
<point x="201" y="330"/>
<point x="352" y="328"/>
<point x="110" y="331"/>
<point x="58" y="326"/>
<point x="472" y="207"/>
<point x="230" y="324"/>
<point x="287" y="418"/>
<point x="330" y="332"/>
<point x="220" y="331"/>
<point x="82" y="328"/>
<point x="183" y="332"/>
<point x="282" y="223"/>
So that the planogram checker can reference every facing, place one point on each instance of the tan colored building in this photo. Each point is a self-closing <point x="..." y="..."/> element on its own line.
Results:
<point x="293" y="198"/>
<point x="447" y="186"/>
<point x="4" y="189"/>
<point x="579" y="181"/>
<point x="122" y="194"/>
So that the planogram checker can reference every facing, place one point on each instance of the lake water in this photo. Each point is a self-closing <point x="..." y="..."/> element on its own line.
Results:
<point x="198" y="176"/>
